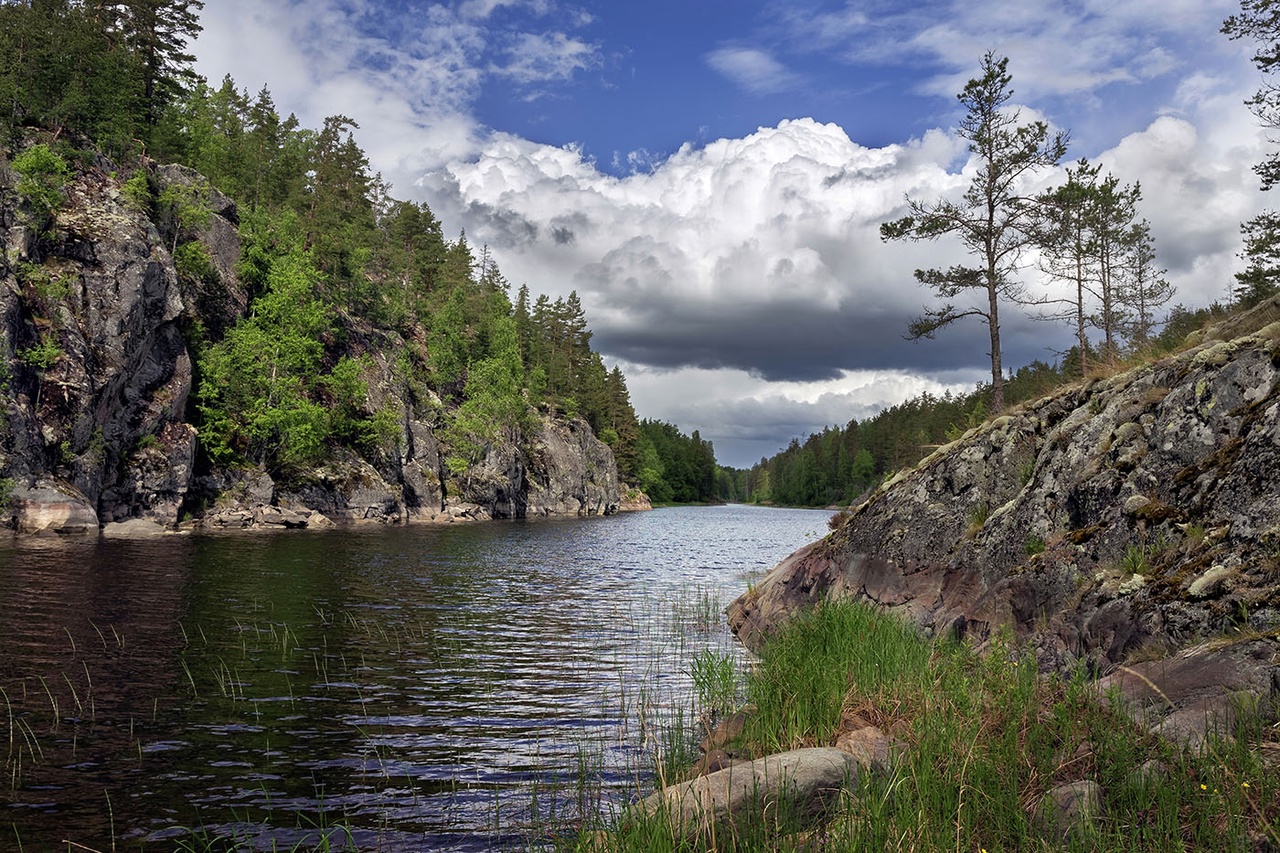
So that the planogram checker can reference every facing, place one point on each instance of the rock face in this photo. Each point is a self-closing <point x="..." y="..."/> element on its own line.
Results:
<point x="96" y="372"/>
<point x="1139" y="509"/>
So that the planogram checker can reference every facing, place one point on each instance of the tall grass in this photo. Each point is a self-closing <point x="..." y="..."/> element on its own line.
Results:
<point x="805" y="673"/>
<point x="980" y="740"/>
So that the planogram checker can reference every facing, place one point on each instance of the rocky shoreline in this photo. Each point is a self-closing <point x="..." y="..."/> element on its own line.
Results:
<point x="94" y="434"/>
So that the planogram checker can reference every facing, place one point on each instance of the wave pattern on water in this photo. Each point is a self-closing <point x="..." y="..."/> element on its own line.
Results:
<point x="459" y="688"/>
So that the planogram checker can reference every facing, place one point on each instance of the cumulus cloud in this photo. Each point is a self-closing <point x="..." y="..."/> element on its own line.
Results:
<point x="759" y="254"/>
<point x="757" y="261"/>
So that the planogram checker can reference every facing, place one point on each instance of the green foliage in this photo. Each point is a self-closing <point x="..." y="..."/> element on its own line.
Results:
<point x="715" y="681"/>
<point x="1034" y="545"/>
<point x="1260" y="279"/>
<point x="1135" y="560"/>
<point x="675" y="468"/>
<point x="194" y="265"/>
<point x="256" y="396"/>
<point x="494" y="404"/>
<point x="330" y="263"/>
<point x="47" y="284"/>
<point x="983" y="738"/>
<point x="105" y="70"/>
<point x="805" y="672"/>
<point x="183" y="207"/>
<point x="42" y="181"/>
<point x="137" y="191"/>
<point x="978" y="515"/>
<point x="7" y="485"/>
<point x="43" y="354"/>
<point x="838" y="464"/>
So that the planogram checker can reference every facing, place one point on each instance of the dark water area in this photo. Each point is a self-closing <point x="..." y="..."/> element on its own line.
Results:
<point x="428" y="688"/>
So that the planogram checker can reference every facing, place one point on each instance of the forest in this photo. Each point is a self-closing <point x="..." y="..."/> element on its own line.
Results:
<point x="330" y="259"/>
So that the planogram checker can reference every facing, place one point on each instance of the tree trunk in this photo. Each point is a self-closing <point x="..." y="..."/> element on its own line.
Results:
<point x="997" y="367"/>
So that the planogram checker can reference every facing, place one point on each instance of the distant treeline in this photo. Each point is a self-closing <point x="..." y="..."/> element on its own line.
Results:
<point x="836" y="466"/>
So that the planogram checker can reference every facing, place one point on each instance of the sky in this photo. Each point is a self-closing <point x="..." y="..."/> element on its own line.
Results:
<point x="710" y="175"/>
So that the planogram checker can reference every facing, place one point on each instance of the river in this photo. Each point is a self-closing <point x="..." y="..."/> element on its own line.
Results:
<point x="469" y="687"/>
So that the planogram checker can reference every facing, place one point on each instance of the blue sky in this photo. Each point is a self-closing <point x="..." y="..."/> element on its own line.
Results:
<point x="710" y="176"/>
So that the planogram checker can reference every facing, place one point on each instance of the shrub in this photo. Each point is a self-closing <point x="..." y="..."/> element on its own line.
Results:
<point x="137" y="191"/>
<point x="42" y="180"/>
<point x="42" y="355"/>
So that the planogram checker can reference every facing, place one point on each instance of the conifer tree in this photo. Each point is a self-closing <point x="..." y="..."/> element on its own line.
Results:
<point x="1065" y="237"/>
<point x="994" y="220"/>
<point x="1259" y="21"/>
<point x="1146" y="289"/>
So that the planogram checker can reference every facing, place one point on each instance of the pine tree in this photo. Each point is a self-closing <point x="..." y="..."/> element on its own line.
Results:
<point x="157" y="32"/>
<point x="1259" y="21"/>
<point x="1146" y="289"/>
<point x="994" y="221"/>
<point x="1065" y="236"/>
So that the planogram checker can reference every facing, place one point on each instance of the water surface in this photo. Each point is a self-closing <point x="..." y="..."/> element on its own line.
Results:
<point x="431" y="688"/>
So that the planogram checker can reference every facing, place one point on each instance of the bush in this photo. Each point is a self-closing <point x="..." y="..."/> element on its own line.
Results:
<point x="43" y="355"/>
<point x="42" y="180"/>
<point x="137" y="191"/>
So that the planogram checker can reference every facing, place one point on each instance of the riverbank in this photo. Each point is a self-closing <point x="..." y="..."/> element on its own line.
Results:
<point x="955" y="750"/>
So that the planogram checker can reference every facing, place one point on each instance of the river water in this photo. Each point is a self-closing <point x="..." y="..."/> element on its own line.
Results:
<point x="470" y="687"/>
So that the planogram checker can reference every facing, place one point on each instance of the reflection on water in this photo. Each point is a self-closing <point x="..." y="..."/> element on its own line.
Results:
<point x="441" y="688"/>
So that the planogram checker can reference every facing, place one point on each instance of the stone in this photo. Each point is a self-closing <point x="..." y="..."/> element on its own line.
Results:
<point x="1186" y="695"/>
<point x="872" y="748"/>
<point x="1069" y="810"/>
<point x="717" y="760"/>
<point x="726" y="731"/>
<point x="803" y="782"/>
<point x="1210" y="583"/>
<point x="134" y="528"/>
<point x="53" y="511"/>
<point x="1175" y="463"/>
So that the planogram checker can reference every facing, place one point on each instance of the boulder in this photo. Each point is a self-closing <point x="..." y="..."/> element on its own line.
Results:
<point x="571" y="472"/>
<point x="50" y="510"/>
<point x="1069" y="810"/>
<point x="802" y="783"/>
<point x="134" y="528"/>
<point x="1199" y="690"/>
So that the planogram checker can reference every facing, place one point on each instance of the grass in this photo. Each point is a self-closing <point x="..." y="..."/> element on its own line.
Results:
<point x="977" y="518"/>
<point x="983" y="737"/>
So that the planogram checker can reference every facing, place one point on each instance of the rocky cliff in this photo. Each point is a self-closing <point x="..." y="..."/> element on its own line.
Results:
<point x="96" y="369"/>
<point x="1128" y="515"/>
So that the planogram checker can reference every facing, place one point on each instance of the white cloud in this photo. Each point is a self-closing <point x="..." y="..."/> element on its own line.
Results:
<point x="753" y="70"/>
<point x="747" y="418"/>
<point x="547" y="58"/>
